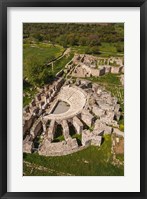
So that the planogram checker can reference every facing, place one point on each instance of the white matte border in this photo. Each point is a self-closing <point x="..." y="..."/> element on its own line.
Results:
<point x="131" y="181"/>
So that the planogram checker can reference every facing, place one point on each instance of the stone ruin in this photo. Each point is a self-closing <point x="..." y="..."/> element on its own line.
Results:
<point x="92" y="112"/>
<point x="84" y="65"/>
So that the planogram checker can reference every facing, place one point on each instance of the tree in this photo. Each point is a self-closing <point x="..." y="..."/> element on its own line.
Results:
<point x="94" y="40"/>
<point x="39" y="37"/>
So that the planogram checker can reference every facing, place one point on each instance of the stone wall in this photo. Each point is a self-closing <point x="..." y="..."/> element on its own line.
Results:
<point x="88" y="65"/>
<point x="78" y="125"/>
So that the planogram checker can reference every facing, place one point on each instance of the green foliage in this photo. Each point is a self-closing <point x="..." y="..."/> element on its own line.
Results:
<point x="35" y="72"/>
<point x="120" y="157"/>
<point x="119" y="47"/>
<point x="121" y="127"/>
<point x="107" y="79"/>
<point x="38" y="37"/>
<point x="92" y="161"/>
<point x="60" y="64"/>
<point x="71" y="34"/>
<point x="35" y="58"/>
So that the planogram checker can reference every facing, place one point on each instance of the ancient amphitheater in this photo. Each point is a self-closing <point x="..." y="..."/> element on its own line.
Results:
<point x="77" y="104"/>
<point x="70" y="107"/>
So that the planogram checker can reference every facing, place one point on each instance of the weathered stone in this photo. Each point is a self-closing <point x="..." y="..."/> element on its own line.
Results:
<point x="87" y="117"/>
<point x="60" y="148"/>
<point x="27" y="123"/>
<point x="35" y="130"/>
<point x="100" y="128"/>
<point x="78" y="125"/>
<point x="27" y="147"/>
<point x="98" y="111"/>
<point x="84" y="102"/>
<point x="115" y="70"/>
<point x="96" y="140"/>
<point x="51" y="130"/>
<point x="90" y="138"/>
<point x="65" y="130"/>
<point x="118" y="132"/>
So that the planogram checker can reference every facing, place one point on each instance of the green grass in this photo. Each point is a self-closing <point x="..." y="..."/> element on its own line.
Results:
<point x="120" y="157"/>
<point x="60" y="64"/>
<point x="42" y="52"/>
<point x="92" y="161"/>
<point x="29" y="92"/>
<point x="107" y="79"/>
<point x="106" y="49"/>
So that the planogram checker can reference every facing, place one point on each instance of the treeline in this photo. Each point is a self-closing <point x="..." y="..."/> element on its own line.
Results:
<point x="74" y="34"/>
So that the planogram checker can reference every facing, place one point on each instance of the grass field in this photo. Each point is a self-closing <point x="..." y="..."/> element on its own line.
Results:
<point x="105" y="49"/>
<point x="60" y="64"/>
<point x="44" y="53"/>
<point x="92" y="161"/>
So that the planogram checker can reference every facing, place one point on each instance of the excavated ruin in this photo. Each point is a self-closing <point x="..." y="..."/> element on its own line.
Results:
<point x="91" y="112"/>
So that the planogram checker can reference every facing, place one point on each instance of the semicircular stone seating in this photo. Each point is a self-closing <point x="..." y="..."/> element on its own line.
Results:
<point x="92" y="112"/>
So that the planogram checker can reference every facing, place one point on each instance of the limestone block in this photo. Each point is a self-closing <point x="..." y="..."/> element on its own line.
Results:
<point x="51" y="130"/>
<point x="86" y="137"/>
<point x="118" y="132"/>
<point x="96" y="140"/>
<point x="87" y="117"/>
<point x="90" y="138"/>
<point x="72" y="143"/>
<point x="100" y="128"/>
<point x="78" y="125"/>
<point x="27" y="147"/>
<point x="115" y="69"/>
<point x="35" y="130"/>
<point x="117" y="116"/>
<point x="95" y="72"/>
<point x="107" y="69"/>
<point x="104" y="105"/>
<point x="98" y="111"/>
<point x="101" y="71"/>
<point x="27" y="124"/>
<point x="65" y="130"/>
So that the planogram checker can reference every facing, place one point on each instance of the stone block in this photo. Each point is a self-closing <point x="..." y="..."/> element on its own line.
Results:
<point x="65" y="130"/>
<point x="35" y="130"/>
<point x="118" y="132"/>
<point x="51" y="130"/>
<point x="27" y="147"/>
<point x="96" y="140"/>
<point x="87" y="117"/>
<point x="78" y="125"/>
<point x="98" y="111"/>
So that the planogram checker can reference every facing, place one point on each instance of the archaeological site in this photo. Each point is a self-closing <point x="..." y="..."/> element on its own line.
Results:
<point x="75" y="105"/>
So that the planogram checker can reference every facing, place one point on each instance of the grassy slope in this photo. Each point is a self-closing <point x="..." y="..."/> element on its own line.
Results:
<point x="43" y="52"/>
<point x="93" y="161"/>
